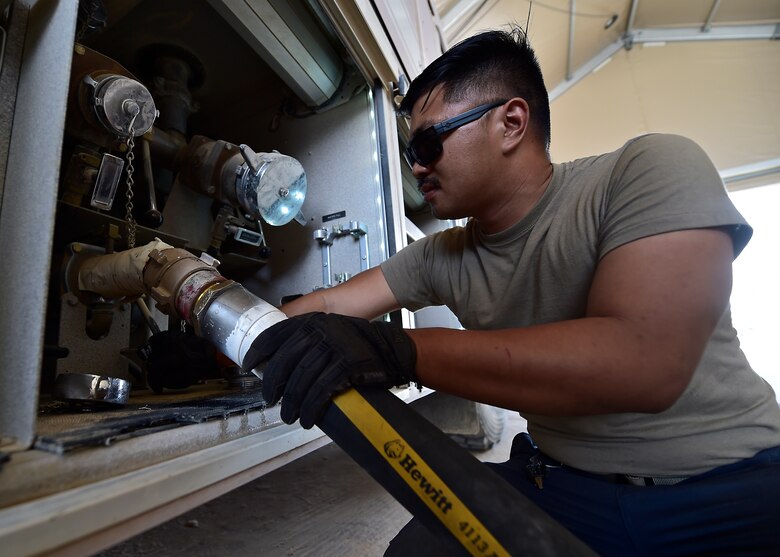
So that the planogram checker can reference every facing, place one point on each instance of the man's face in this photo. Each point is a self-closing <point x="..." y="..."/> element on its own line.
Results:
<point x="454" y="183"/>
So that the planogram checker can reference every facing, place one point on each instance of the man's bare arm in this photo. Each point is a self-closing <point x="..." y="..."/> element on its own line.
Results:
<point x="365" y="295"/>
<point x="652" y="306"/>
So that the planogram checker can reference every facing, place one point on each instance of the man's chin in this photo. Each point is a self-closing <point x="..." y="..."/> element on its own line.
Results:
<point x="442" y="213"/>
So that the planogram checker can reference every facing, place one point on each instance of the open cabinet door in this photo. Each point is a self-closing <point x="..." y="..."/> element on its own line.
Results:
<point x="194" y="99"/>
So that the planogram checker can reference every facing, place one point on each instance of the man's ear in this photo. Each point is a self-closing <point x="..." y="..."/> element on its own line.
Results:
<point x="516" y="122"/>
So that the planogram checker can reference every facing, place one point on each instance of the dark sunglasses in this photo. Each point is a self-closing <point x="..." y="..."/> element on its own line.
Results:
<point x="426" y="146"/>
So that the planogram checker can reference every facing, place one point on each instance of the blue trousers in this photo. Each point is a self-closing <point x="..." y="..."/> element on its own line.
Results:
<point x="733" y="510"/>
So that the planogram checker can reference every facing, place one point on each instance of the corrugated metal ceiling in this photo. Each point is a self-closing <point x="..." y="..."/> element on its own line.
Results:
<point x="730" y="79"/>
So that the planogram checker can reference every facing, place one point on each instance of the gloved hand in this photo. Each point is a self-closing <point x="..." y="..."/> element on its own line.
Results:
<point x="317" y="355"/>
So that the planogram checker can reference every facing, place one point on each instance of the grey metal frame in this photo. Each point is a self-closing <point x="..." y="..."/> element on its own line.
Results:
<point x="27" y="213"/>
<point x="684" y="34"/>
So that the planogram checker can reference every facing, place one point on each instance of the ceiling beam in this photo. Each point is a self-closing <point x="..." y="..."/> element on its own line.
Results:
<point x="585" y="70"/>
<point x="631" y="16"/>
<point x="629" y="32"/>
<point x="719" y="33"/>
<point x="644" y="36"/>
<point x="747" y="171"/>
<point x="570" y="50"/>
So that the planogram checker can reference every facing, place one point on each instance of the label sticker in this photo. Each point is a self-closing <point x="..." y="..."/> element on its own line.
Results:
<point x="334" y="216"/>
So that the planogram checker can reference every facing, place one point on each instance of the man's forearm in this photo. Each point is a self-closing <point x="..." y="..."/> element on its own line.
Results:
<point x="603" y="366"/>
<point x="305" y="304"/>
<point x="366" y="295"/>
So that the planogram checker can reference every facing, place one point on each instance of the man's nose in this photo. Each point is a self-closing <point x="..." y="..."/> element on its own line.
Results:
<point x="420" y="170"/>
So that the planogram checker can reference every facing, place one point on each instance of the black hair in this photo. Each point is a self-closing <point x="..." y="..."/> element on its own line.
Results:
<point x="486" y="67"/>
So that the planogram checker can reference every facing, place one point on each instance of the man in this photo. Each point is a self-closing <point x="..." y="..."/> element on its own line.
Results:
<point x="594" y="295"/>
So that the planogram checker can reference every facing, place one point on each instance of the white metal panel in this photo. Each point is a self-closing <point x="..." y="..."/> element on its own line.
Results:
<point x="281" y="36"/>
<point x="361" y="31"/>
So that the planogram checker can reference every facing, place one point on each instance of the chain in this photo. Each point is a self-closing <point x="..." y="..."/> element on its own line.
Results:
<point x="131" y="224"/>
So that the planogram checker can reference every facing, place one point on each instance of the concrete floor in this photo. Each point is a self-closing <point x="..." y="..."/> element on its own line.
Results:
<point x="322" y="504"/>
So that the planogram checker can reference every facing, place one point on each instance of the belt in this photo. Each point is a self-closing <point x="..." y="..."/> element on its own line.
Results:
<point x="539" y="464"/>
<point x="643" y="481"/>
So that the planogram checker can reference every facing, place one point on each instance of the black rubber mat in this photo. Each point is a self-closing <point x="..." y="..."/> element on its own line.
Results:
<point x="83" y="426"/>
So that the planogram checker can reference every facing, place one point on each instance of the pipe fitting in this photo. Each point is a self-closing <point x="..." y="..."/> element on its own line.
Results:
<point x="175" y="278"/>
<point x="220" y="310"/>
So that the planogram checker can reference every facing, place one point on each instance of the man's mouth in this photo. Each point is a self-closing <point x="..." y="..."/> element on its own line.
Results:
<point x="428" y="188"/>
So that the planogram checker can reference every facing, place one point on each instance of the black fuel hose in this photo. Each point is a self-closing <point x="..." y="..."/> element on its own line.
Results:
<point x="441" y="484"/>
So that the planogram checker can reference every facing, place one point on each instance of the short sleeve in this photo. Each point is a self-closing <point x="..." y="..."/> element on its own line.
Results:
<point x="408" y="275"/>
<point x="663" y="183"/>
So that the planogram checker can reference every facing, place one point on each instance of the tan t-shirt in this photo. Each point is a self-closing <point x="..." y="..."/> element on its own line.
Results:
<point x="540" y="271"/>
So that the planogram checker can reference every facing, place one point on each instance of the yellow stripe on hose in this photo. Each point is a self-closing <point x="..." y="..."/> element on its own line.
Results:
<point x="450" y="510"/>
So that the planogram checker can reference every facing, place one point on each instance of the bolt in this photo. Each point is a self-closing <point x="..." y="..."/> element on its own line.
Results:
<point x="131" y="107"/>
<point x="284" y="192"/>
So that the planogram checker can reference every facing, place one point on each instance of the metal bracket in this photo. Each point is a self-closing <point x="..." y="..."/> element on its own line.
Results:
<point x="325" y="237"/>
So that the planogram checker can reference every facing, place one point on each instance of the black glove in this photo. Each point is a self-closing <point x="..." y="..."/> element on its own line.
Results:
<point x="317" y="355"/>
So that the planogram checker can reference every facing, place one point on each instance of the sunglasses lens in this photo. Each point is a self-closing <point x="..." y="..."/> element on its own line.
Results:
<point x="409" y="156"/>
<point x="425" y="147"/>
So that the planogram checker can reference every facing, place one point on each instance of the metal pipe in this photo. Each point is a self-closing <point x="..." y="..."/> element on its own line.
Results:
<point x="708" y="24"/>
<point x="219" y="310"/>
<point x="231" y="318"/>
<point x="631" y="16"/>
<point x="628" y="35"/>
<point x="118" y="274"/>
<point x="168" y="148"/>
<point x="570" y="51"/>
